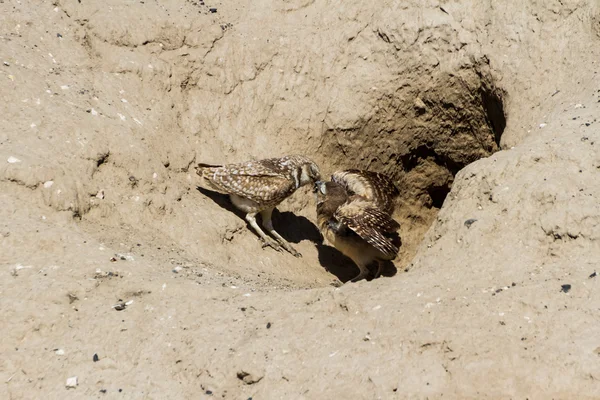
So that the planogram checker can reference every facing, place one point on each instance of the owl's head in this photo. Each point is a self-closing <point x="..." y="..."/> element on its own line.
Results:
<point x="330" y="192"/>
<point x="307" y="173"/>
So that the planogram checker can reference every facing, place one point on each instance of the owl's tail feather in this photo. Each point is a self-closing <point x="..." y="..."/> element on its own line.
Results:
<point x="206" y="173"/>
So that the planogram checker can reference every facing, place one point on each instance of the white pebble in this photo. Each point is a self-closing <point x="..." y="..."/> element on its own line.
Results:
<point x="71" y="382"/>
<point x="177" y="269"/>
<point x="48" y="184"/>
<point x="59" y="352"/>
<point x="123" y="118"/>
<point x="579" y="105"/>
<point x="33" y="125"/>
<point x="124" y="100"/>
<point x="65" y="87"/>
<point x="542" y="125"/>
<point x="154" y="175"/>
<point x="130" y="302"/>
<point x="12" y="160"/>
<point x="94" y="112"/>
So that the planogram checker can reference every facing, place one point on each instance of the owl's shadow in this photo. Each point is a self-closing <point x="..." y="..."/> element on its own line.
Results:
<point x="296" y="228"/>
<point x="344" y="268"/>
<point x="293" y="228"/>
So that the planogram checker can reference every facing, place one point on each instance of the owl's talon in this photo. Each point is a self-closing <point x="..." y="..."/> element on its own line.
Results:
<point x="294" y="252"/>
<point x="336" y="283"/>
<point x="272" y="244"/>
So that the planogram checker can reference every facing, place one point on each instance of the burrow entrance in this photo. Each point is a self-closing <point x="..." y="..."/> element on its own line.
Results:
<point x="422" y="136"/>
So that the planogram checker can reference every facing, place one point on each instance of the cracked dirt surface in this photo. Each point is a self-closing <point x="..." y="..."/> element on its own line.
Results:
<point x="485" y="115"/>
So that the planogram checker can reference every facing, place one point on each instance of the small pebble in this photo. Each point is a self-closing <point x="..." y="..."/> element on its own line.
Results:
<point x="470" y="222"/>
<point x="565" y="288"/>
<point x="6" y="64"/>
<point x="59" y="352"/>
<point x="58" y="35"/>
<point x="177" y="269"/>
<point x="12" y="160"/>
<point x="95" y="358"/>
<point x="268" y="325"/>
<point x="71" y="382"/>
<point x="593" y="275"/>
<point x="213" y="10"/>
<point x="209" y="392"/>
<point x="48" y="184"/>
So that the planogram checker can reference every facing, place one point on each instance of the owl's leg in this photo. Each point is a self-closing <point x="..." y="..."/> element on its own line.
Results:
<point x="363" y="273"/>
<point x="268" y="224"/>
<point x="380" y="266"/>
<point x="267" y="241"/>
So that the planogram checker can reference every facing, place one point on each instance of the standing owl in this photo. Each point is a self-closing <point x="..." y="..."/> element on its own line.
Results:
<point x="259" y="186"/>
<point x="354" y="215"/>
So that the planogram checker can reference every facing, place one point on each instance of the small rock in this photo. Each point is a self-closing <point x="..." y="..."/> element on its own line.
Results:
<point x="248" y="378"/>
<point x="579" y="105"/>
<point x="212" y="10"/>
<point x="177" y="269"/>
<point x="565" y="288"/>
<point x="59" y="352"/>
<point x="542" y="125"/>
<point x="120" y="306"/>
<point x="6" y="63"/>
<point x="12" y="160"/>
<point x="209" y="392"/>
<point x="420" y="106"/>
<point x="95" y="358"/>
<point x="103" y="391"/>
<point x="100" y="194"/>
<point x="48" y="184"/>
<point x="470" y="222"/>
<point x="593" y="275"/>
<point x="58" y="35"/>
<point x="268" y="325"/>
<point x="71" y="382"/>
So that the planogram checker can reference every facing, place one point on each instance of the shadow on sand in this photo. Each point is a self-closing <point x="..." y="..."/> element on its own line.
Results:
<point x="294" y="229"/>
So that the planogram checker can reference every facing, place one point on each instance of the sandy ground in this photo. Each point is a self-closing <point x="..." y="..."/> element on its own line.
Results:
<point x="116" y="270"/>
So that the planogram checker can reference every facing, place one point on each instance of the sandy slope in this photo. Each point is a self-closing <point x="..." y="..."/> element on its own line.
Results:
<point x="105" y="106"/>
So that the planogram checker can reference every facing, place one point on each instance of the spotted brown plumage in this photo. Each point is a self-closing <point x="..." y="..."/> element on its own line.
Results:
<point x="354" y="214"/>
<point x="259" y="186"/>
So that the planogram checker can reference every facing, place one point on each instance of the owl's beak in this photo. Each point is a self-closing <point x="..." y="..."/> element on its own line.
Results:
<point x="316" y="186"/>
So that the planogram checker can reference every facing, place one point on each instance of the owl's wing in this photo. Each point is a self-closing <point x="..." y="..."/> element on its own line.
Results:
<point x="370" y="223"/>
<point x="254" y="180"/>
<point x="372" y="186"/>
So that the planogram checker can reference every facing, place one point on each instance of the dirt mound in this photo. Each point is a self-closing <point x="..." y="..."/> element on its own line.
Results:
<point x="106" y="106"/>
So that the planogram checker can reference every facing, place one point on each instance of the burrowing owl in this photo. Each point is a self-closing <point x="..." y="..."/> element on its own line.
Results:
<point x="354" y="214"/>
<point x="259" y="186"/>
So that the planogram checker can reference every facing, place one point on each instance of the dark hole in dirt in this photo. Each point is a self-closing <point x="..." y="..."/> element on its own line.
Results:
<point x="494" y="107"/>
<point x="422" y="137"/>
<point x="438" y="195"/>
